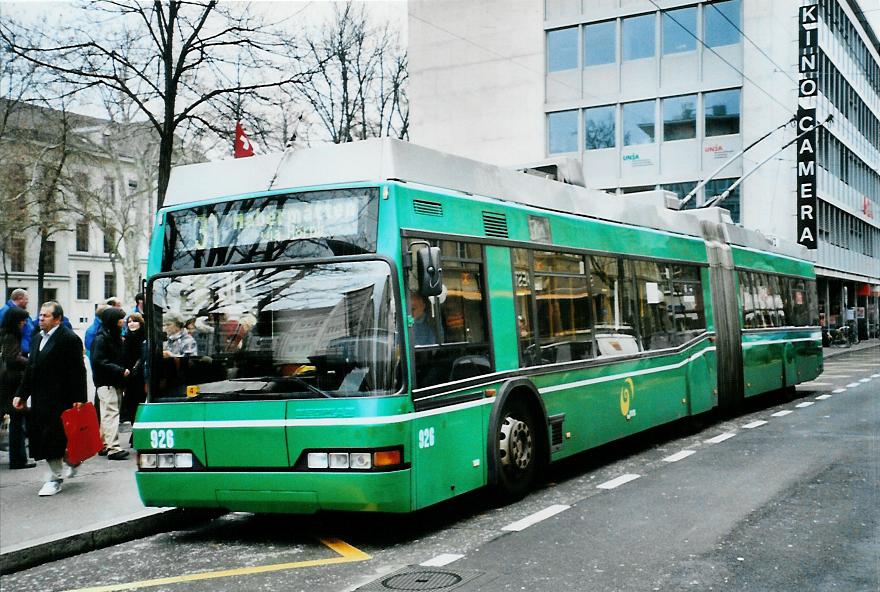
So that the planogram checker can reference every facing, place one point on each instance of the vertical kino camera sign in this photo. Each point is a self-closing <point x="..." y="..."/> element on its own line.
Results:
<point x="806" y="121"/>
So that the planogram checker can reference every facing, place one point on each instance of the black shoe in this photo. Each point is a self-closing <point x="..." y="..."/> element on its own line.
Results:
<point x="118" y="455"/>
<point x="27" y="465"/>
<point x="103" y="451"/>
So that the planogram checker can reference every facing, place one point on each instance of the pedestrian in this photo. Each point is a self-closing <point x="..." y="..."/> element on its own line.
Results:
<point x="12" y="365"/>
<point x="19" y="299"/>
<point x="109" y="375"/>
<point x="93" y="329"/>
<point x="133" y="353"/>
<point x="54" y="380"/>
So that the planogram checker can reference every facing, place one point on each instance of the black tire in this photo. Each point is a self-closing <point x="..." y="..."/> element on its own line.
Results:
<point x="518" y="449"/>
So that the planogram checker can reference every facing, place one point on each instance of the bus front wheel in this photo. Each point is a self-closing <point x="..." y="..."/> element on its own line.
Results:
<point x="517" y="449"/>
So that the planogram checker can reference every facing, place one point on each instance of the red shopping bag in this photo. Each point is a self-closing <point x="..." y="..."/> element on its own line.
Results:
<point x="82" y="431"/>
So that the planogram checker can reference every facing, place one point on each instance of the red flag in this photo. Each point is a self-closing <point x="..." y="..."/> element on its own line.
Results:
<point x="243" y="146"/>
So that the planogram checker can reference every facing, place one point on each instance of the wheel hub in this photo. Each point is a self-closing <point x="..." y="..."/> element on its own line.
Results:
<point x="515" y="444"/>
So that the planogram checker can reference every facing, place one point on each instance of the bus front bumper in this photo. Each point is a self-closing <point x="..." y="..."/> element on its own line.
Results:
<point x="281" y="492"/>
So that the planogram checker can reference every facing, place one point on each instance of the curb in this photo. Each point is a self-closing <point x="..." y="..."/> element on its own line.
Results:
<point x="72" y="543"/>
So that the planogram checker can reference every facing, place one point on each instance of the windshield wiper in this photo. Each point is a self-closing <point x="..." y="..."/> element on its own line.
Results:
<point x="299" y="381"/>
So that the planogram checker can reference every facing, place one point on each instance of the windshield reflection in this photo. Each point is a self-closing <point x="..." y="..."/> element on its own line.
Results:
<point x="324" y="330"/>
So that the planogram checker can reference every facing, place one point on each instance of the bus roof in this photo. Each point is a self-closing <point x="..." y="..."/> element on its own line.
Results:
<point x="388" y="159"/>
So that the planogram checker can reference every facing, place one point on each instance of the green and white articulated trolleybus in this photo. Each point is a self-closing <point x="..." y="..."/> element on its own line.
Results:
<point x="380" y="327"/>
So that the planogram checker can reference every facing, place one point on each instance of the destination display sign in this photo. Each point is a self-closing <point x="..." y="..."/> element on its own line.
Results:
<point x="310" y="224"/>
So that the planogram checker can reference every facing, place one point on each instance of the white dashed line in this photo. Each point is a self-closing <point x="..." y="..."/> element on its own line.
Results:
<point x="838" y="391"/>
<point x="782" y="413"/>
<point x="875" y="376"/>
<point x="679" y="456"/>
<point x="852" y="384"/>
<point x="618" y="482"/>
<point x="441" y="560"/>
<point x="721" y="438"/>
<point x="823" y="397"/>
<point x="536" y="517"/>
<point x="814" y="383"/>
<point x="864" y="380"/>
<point x="755" y="424"/>
<point x="804" y="404"/>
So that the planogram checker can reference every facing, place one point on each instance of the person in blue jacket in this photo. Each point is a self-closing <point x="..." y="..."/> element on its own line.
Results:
<point x="19" y="298"/>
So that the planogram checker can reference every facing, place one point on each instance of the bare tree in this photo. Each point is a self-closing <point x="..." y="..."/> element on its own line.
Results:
<point x="173" y="60"/>
<point x="359" y="89"/>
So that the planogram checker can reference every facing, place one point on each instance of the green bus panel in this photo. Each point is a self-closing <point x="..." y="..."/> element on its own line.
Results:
<point x="771" y="263"/>
<point x="620" y="399"/>
<point x="163" y="418"/>
<point x="449" y="454"/>
<point x="256" y="491"/>
<point x="253" y="444"/>
<point x="502" y="310"/>
<point x="776" y="359"/>
<point x="463" y="215"/>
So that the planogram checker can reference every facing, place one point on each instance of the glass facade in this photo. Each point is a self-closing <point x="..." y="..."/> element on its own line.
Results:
<point x="600" y="43"/>
<point x="680" y="30"/>
<point x="600" y="128"/>
<point x="563" y="131"/>
<point x="562" y="52"/>
<point x="722" y="23"/>
<point x="638" y="123"/>
<point x="638" y="37"/>
<point x="721" y="110"/>
<point x="679" y="117"/>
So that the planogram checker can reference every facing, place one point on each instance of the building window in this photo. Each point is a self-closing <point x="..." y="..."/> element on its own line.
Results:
<point x="563" y="131"/>
<point x="599" y="127"/>
<point x="16" y="254"/>
<point x="721" y="23"/>
<point x="49" y="257"/>
<point x="722" y="112"/>
<point x="716" y="187"/>
<point x="680" y="30"/>
<point x="109" y="240"/>
<point x="109" y="285"/>
<point x="638" y="123"/>
<point x="82" y="236"/>
<point x="679" y="118"/>
<point x="562" y="51"/>
<point x="132" y="186"/>
<point x="50" y="294"/>
<point x="82" y="285"/>
<point x="109" y="190"/>
<point x="600" y="43"/>
<point x="638" y="37"/>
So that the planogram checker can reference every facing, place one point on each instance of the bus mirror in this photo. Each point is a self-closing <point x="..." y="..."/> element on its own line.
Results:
<point x="429" y="271"/>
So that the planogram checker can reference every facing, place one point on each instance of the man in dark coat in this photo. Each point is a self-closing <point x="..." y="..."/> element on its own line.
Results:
<point x="55" y="379"/>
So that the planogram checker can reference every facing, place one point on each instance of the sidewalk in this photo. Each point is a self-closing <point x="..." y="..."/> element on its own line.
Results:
<point x="830" y="352"/>
<point x="98" y="507"/>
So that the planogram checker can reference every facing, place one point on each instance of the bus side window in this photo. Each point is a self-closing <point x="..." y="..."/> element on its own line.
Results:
<point x="449" y="332"/>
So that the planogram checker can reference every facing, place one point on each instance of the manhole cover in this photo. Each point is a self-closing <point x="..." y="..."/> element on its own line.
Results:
<point x="422" y="580"/>
<point x="416" y="577"/>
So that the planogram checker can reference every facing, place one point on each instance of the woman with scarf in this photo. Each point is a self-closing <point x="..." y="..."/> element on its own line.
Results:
<point x="133" y="350"/>
<point x="109" y="373"/>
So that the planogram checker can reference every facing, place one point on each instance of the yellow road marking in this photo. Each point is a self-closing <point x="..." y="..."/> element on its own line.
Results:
<point x="347" y="554"/>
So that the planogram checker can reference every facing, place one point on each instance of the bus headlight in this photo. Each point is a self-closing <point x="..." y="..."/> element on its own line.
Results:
<point x="384" y="459"/>
<point x="360" y="460"/>
<point x="147" y="461"/>
<point x="318" y="460"/>
<point x="166" y="460"/>
<point x="183" y="460"/>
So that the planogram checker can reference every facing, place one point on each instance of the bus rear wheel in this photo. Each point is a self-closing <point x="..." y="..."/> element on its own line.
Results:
<point x="517" y="449"/>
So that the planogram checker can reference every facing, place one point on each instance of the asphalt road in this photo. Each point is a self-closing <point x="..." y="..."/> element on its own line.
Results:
<point x="738" y="505"/>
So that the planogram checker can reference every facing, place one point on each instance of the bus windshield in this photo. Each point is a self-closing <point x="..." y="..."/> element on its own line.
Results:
<point x="306" y="331"/>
